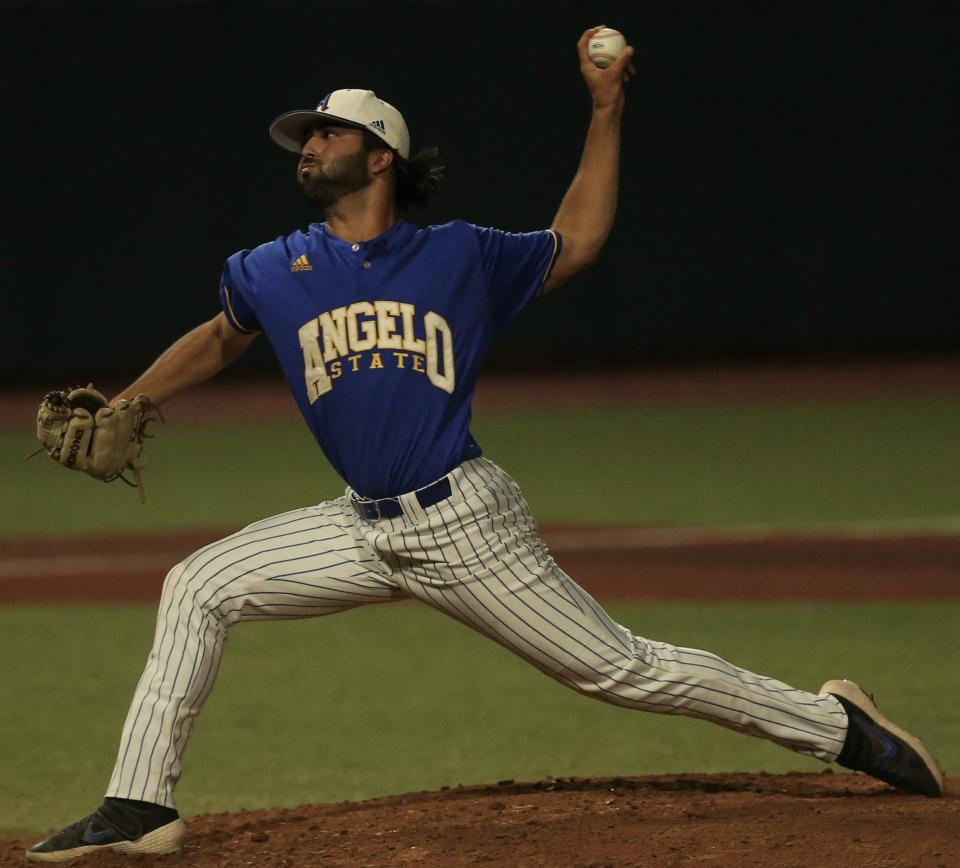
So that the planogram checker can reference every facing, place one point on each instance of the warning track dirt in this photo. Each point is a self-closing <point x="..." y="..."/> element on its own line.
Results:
<point x="611" y="563"/>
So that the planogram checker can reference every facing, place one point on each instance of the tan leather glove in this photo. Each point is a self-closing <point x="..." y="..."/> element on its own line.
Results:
<point x="81" y="430"/>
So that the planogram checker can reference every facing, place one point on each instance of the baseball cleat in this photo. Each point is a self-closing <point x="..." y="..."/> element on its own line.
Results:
<point x="115" y="825"/>
<point x="881" y="749"/>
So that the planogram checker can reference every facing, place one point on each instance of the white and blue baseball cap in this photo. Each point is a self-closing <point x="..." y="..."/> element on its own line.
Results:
<point x="356" y="108"/>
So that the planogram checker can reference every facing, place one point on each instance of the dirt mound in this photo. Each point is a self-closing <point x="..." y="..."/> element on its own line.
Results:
<point x="723" y="820"/>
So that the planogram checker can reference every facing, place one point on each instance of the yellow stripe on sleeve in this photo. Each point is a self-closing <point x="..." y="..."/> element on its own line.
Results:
<point x="232" y="316"/>
<point x="553" y="256"/>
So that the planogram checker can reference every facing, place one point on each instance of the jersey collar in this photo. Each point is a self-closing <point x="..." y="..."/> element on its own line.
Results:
<point x="396" y="236"/>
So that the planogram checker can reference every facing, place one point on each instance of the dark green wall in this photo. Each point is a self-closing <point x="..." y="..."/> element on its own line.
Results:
<point x="788" y="178"/>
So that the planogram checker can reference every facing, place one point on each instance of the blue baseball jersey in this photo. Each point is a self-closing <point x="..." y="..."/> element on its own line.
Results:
<point x="382" y="341"/>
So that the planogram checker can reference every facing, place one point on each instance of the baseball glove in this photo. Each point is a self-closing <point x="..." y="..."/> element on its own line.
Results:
<point x="81" y="430"/>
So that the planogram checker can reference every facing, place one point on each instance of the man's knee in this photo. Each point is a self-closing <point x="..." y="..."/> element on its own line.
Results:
<point x="188" y="589"/>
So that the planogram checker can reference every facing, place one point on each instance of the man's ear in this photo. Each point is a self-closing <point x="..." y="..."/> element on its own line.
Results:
<point x="380" y="160"/>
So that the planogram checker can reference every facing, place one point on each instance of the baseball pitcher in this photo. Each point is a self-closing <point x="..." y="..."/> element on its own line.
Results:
<point x="381" y="328"/>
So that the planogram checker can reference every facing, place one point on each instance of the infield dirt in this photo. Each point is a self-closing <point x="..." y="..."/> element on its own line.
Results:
<point x="748" y="821"/>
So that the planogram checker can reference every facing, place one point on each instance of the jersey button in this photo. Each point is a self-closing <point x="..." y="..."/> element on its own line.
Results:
<point x="355" y="247"/>
<point x="366" y="263"/>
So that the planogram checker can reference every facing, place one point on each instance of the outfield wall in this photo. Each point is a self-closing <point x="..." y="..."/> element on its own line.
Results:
<point x="783" y="179"/>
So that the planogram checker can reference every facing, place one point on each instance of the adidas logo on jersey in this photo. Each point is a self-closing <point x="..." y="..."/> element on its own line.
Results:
<point x="301" y="264"/>
<point x="380" y="126"/>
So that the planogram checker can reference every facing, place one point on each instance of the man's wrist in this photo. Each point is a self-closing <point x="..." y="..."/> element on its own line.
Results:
<point x="612" y="109"/>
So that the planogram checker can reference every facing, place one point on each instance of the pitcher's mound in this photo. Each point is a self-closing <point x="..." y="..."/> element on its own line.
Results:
<point x="667" y="820"/>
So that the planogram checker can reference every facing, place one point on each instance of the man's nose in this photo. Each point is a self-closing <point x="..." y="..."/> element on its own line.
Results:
<point x="311" y="151"/>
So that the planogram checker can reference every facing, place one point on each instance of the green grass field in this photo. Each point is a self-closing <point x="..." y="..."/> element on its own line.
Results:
<point x="362" y="704"/>
<point x="789" y="465"/>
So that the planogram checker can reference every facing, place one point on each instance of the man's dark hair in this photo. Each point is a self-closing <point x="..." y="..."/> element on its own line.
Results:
<point x="418" y="179"/>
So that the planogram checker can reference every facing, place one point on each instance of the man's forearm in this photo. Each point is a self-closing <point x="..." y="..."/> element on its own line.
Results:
<point x="191" y="360"/>
<point x="586" y="214"/>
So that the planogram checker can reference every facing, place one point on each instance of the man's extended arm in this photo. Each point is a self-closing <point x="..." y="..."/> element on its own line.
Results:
<point x="191" y="360"/>
<point x="586" y="213"/>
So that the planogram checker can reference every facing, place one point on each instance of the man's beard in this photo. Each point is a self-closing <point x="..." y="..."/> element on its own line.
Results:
<point x="344" y="175"/>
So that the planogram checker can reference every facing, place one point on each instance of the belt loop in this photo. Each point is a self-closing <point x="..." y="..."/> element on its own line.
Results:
<point x="411" y="507"/>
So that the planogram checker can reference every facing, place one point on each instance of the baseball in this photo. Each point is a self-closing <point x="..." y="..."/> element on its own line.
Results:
<point x="605" y="46"/>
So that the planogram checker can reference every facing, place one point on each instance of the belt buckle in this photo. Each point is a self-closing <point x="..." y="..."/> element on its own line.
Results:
<point x="365" y="508"/>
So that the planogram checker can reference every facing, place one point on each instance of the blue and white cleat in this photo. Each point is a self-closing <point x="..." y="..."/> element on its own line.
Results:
<point x="881" y="749"/>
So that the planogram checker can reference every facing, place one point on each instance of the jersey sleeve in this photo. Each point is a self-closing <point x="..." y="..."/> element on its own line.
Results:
<point x="517" y="264"/>
<point x="236" y="293"/>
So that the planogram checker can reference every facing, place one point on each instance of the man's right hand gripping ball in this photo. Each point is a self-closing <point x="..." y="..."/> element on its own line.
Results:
<point x="81" y="430"/>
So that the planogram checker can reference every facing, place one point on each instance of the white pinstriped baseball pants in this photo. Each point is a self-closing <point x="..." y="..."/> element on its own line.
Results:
<point x="477" y="557"/>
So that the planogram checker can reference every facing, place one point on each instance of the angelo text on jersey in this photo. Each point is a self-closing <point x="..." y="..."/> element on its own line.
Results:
<point x="344" y="333"/>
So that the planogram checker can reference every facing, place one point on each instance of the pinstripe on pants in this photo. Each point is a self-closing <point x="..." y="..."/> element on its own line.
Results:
<point x="477" y="557"/>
